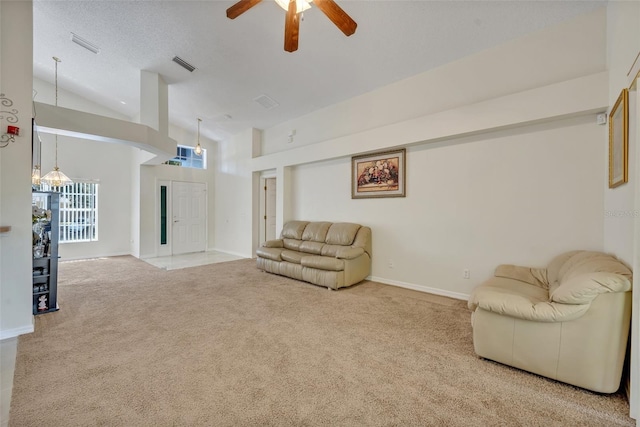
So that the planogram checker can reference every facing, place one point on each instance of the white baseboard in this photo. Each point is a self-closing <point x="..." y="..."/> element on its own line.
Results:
<point x="229" y="252"/>
<point x="15" y="332"/>
<point x="95" y="256"/>
<point x="421" y="288"/>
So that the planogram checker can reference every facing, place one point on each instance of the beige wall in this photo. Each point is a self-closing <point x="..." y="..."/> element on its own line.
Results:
<point x="15" y="171"/>
<point x="622" y="204"/>
<point x="16" y="72"/>
<point x="519" y="196"/>
<point x="504" y="165"/>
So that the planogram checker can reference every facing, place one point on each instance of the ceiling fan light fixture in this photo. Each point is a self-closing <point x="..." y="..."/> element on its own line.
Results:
<point x="301" y="5"/>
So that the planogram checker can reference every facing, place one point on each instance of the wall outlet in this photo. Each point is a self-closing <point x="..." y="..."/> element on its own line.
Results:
<point x="466" y="274"/>
<point x="391" y="264"/>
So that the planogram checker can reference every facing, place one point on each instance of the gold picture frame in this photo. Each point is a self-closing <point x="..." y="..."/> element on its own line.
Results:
<point x="381" y="174"/>
<point x="619" y="141"/>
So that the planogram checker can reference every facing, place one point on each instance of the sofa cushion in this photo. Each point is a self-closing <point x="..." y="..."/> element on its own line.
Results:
<point x="323" y="263"/>
<point x="585" y="262"/>
<point x="316" y="231"/>
<point x="293" y="229"/>
<point x="342" y="233"/>
<point x="292" y="256"/>
<point x="330" y="250"/>
<point x="292" y="244"/>
<point x="584" y="288"/>
<point x="311" y="247"/>
<point x="553" y="269"/>
<point x="348" y="252"/>
<point x="270" y="253"/>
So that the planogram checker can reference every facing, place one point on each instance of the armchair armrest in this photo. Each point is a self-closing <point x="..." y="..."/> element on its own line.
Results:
<point x="521" y="307"/>
<point x="349" y="252"/>
<point x="277" y="243"/>
<point x="532" y="276"/>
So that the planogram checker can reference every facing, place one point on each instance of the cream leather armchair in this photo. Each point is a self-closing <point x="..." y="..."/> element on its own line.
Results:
<point x="569" y="322"/>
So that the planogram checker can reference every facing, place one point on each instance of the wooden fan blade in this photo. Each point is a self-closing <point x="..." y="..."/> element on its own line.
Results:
<point x="291" y="28"/>
<point x="337" y="16"/>
<point x="241" y="7"/>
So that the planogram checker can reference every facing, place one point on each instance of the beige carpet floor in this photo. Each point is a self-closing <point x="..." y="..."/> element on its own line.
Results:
<point x="228" y="345"/>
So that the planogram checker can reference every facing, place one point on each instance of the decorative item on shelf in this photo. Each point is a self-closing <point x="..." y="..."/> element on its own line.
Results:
<point x="56" y="178"/>
<point x="379" y="175"/>
<point x="42" y="303"/>
<point x="41" y="221"/>
<point x="11" y="116"/>
<point x="198" y="149"/>
<point x="619" y="141"/>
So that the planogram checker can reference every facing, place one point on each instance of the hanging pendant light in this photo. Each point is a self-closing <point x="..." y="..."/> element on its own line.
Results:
<point x="35" y="175"/>
<point x="56" y="178"/>
<point x="36" y="172"/>
<point x="198" y="149"/>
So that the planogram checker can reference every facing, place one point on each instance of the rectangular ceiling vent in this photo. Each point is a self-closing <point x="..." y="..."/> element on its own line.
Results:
<point x="84" y="43"/>
<point x="184" y="64"/>
<point x="266" y="102"/>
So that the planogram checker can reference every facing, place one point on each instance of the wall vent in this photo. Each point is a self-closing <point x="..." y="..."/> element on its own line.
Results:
<point x="184" y="64"/>
<point x="84" y="43"/>
<point x="266" y="102"/>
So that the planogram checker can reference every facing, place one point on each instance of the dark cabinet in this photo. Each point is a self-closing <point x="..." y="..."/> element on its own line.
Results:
<point x="46" y="230"/>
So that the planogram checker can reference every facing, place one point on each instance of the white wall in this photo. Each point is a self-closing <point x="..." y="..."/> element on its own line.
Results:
<point x="507" y="197"/>
<point x="236" y="225"/>
<point x="563" y="52"/>
<point x="82" y="159"/>
<point x="108" y="164"/>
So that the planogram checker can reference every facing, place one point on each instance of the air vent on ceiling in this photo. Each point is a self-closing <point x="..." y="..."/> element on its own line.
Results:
<point x="184" y="64"/>
<point x="84" y="43"/>
<point x="266" y="101"/>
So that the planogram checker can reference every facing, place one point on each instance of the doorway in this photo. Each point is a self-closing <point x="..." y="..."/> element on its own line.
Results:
<point x="268" y="209"/>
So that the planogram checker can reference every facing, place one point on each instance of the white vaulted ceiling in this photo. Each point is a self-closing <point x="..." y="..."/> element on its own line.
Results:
<point x="239" y="60"/>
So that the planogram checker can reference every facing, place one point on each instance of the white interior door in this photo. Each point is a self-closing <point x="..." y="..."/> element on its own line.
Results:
<point x="270" y="208"/>
<point x="189" y="228"/>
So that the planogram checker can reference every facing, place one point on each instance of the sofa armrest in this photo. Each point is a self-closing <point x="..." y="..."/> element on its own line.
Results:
<point x="532" y="276"/>
<point x="349" y="252"/>
<point x="521" y="307"/>
<point x="277" y="243"/>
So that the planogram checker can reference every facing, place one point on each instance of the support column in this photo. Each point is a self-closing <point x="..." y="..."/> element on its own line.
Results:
<point x="154" y="102"/>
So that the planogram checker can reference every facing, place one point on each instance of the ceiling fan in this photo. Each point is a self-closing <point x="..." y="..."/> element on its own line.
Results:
<point x="292" y="22"/>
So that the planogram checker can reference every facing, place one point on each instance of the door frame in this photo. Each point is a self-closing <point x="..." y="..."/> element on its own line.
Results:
<point x="262" y="202"/>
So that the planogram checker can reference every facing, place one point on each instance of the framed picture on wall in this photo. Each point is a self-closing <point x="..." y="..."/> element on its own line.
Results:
<point x="619" y="141"/>
<point x="381" y="174"/>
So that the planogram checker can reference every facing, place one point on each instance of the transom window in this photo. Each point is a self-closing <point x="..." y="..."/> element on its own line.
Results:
<point x="187" y="158"/>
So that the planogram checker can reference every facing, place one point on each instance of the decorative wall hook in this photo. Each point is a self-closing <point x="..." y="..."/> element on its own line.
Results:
<point x="11" y="115"/>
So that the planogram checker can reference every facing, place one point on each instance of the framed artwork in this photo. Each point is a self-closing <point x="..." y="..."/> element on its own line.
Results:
<point x="381" y="174"/>
<point x="619" y="141"/>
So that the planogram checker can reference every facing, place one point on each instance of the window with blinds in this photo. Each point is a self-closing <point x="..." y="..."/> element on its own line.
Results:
<point x="78" y="211"/>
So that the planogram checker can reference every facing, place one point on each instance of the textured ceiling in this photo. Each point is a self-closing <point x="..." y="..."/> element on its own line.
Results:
<point x="239" y="60"/>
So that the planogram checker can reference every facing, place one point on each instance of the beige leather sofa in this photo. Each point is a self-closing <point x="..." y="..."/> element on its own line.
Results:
<point x="327" y="254"/>
<point x="569" y="322"/>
